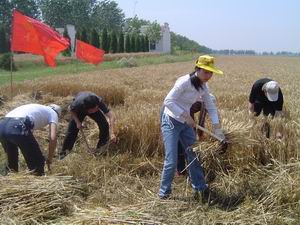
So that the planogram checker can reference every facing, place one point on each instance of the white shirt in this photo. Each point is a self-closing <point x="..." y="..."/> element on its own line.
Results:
<point x="183" y="95"/>
<point x="40" y="115"/>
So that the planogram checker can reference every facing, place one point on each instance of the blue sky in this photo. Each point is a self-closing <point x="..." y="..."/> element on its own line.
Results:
<point x="260" y="25"/>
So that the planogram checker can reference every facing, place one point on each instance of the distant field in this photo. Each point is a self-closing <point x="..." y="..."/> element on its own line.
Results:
<point x="259" y="182"/>
<point x="32" y="66"/>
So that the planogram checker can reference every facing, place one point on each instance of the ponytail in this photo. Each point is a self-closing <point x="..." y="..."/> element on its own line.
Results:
<point x="196" y="82"/>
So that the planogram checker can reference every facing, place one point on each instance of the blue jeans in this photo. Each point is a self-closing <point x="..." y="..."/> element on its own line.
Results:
<point x="16" y="133"/>
<point x="174" y="131"/>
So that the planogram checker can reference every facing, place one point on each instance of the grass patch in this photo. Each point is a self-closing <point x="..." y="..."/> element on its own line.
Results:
<point x="35" y="68"/>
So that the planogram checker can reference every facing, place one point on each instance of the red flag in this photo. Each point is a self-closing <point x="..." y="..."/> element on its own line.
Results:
<point x="88" y="53"/>
<point x="29" y="35"/>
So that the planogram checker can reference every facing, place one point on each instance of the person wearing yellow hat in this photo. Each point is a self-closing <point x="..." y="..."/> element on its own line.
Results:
<point x="266" y="96"/>
<point x="177" y="125"/>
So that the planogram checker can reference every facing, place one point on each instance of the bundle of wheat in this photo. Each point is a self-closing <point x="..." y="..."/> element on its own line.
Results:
<point x="33" y="199"/>
<point x="126" y="215"/>
<point x="239" y="148"/>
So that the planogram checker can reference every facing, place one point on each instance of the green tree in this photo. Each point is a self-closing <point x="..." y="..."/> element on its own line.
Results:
<point x="3" y="41"/>
<point x="28" y="7"/>
<point x="179" y="42"/>
<point x="84" y="36"/>
<point x="5" y="13"/>
<point x="113" y="42"/>
<point x="5" y="62"/>
<point x="132" y="43"/>
<point x="56" y="13"/>
<point x="153" y="32"/>
<point x="142" y="43"/>
<point x="127" y="43"/>
<point x="59" y="13"/>
<point x="137" y="43"/>
<point x="133" y="25"/>
<point x="121" y="42"/>
<point x="80" y="13"/>
<point x="105" y="40"/>
<point x="146" y="44"/>
<point x="95" y="39"/>
<point x="107" y="14"/>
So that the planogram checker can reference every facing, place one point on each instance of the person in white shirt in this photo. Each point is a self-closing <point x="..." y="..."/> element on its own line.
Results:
<point x="16" y="131"/>
<point x="197" y="107"/>
<point x="177" y="125"/>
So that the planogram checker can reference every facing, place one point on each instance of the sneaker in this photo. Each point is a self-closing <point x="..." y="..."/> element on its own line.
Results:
<point x="164" y="197"/>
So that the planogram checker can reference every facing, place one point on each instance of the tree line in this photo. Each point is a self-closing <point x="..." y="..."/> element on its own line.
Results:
<point x="182" y="43"/>
<point x="94" y="16"/>
<point x="114" y="42"/>
<point x="252" y="52"/>
<point x="100" y="23"/>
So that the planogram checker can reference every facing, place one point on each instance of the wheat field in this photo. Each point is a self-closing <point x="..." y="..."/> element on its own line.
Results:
<point x="258" y="178"/>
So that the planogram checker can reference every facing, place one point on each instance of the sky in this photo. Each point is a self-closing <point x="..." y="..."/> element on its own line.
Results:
<point x="260" y="25"/>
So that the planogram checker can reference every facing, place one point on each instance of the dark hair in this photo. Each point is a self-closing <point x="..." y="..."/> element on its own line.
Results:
<point x="91" y="102"/>
<point x="196" y="82"/>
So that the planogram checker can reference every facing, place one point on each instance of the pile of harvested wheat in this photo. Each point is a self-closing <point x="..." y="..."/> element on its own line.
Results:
<point x="33" y="199"/>
<point x="125" y="215"/>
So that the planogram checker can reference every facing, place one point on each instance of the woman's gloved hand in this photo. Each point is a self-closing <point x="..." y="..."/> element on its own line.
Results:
<point x="218" y="132"/>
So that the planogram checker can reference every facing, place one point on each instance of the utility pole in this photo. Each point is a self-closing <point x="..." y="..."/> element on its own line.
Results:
<point x="134" y="7"/>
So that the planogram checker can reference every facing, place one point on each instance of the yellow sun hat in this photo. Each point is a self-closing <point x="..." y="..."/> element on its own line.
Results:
<point x="207" y="62"/>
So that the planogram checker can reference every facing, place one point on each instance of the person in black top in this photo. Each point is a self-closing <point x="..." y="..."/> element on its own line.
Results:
<point x="265" y="96"/>
<point x="88" y="104"/>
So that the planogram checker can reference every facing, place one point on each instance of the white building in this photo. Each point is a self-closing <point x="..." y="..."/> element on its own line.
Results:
<point x="71" y="32"/>
<point x="164" y="44"/>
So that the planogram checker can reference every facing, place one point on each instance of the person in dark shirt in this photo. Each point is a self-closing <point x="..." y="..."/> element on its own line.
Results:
<point x="266" y="96"/>
<point x="88" y="104"/>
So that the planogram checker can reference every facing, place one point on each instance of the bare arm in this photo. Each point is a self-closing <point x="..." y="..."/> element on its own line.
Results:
<point x="52" y="143"/>
<point x="75" y="117"/>
<point x="251" y="107"/>
<point x="112" y="122"/>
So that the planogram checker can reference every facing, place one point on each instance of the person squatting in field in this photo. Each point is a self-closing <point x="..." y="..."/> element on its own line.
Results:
<point x="88" y="104"/>
<point x="266" y="96"/>
<point x="177" y="125"/>
<point x="16" y="131"/>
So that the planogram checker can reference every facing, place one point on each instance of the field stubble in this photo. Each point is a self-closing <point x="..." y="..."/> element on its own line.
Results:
<point x="257" y="178"/>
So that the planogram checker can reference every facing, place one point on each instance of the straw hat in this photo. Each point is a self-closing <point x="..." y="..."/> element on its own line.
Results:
<point x="207" y="62"/>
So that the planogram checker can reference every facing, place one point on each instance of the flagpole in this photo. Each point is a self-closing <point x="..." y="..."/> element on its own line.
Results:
<point x="73" y="51"/>
<point x="12" y="53"/>
<point x="11" y="69"/>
